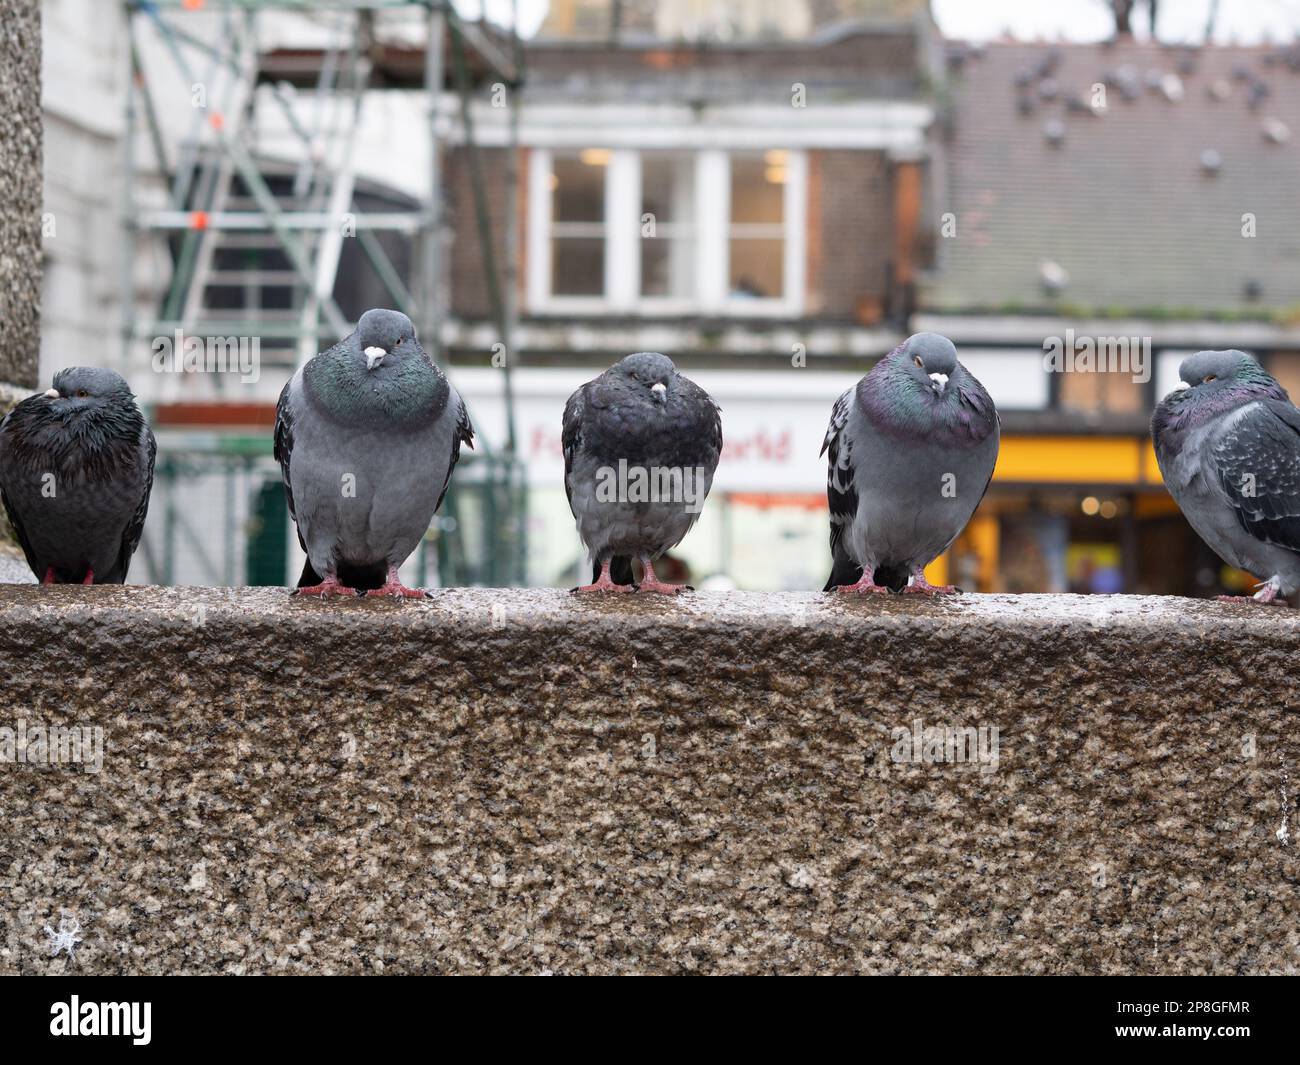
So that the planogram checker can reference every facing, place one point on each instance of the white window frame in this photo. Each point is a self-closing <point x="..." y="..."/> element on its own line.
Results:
<point x="623" y="235"/>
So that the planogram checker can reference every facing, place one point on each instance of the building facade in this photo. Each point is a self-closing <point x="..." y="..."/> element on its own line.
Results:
<point x="754" y="208"/>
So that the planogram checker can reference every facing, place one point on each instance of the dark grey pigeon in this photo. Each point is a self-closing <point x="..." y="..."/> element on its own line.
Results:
<point x="367" y="434"/>
<point x="76" y="467"/>
<point x="1228" y="444"/>
<point x="911" y="451"/>
<point x="641" y="444"/>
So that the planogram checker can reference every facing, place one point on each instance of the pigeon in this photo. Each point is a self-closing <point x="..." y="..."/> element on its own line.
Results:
<point x="1228" y="443"/>
<point x="367" y="434"/>
<point x="76" y="469"/>
<point x="911" y="450"/>
<point x="641" y="444"/>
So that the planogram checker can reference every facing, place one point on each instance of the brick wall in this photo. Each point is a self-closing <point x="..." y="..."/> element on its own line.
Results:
<point x="468" y="284"/>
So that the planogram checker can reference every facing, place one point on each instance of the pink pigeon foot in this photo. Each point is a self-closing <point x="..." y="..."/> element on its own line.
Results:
<point x="329" y="586"/>
<point x="651" y="583"/>
<point x="393" y="587"/>
<point x="604" y="583"/>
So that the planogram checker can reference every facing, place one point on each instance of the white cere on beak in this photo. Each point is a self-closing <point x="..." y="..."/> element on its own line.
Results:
<point x="659" y="388"/>
<point x="940" y="381"/>
<point x="1179" y="387"/>
<point x="374" y="356"/>
<point x="51" y="393"/>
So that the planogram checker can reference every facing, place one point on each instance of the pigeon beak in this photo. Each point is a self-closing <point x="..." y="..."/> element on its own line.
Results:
<point x="1181" y="386"/>
<point x="51" y="393"/>
<point x="938" y="381"/>
<point x="659" y="390"/>
<point x="374" y="356"/>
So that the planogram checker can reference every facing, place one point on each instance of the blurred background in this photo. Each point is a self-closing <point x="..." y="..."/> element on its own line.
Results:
<point x="772" y="192"/>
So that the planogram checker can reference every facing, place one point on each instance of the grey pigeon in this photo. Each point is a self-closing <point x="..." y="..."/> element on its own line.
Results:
<point x="641" y="444"/>
<point x="76" y="468"/>
<point x="367" y="434"/>
<point x="1228" y="444"/>
<point x="911" y="450"/>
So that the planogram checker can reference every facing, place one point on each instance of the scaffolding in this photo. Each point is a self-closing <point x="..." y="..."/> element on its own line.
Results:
<point x="255" y="243"/>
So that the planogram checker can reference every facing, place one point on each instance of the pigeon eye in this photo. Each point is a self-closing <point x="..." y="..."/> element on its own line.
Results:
<point x="82" y="393"/>
<point x="1208" y="378"/>
<point x="917" y="359"/>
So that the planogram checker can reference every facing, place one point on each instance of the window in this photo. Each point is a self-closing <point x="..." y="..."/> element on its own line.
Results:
<point x="667" y="225"/>
<point x="577" y="185"/>
<point x="666" y="232"/>
<point x="756" y="237"/>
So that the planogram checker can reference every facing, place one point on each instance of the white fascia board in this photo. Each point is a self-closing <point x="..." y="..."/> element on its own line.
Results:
<point x="887" y="124"/>
<point x="672" y="337"/>
<point x="1035" y="329"/>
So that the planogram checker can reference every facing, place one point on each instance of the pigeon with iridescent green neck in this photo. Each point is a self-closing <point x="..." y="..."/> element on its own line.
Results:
<point x="367" y="434"/>
<point x="1228" y="443"/>
<point x="911" y="451"/>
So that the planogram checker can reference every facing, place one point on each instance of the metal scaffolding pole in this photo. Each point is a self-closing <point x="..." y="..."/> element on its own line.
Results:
<point x="241" y="226"/>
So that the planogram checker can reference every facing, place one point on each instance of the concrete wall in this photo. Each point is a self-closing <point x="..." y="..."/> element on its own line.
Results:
<point x="20" y="210"/>
<point x="521" y="782"/>
<point x="20" y="191"/>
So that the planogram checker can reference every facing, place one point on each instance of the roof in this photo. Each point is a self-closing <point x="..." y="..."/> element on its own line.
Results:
<point x="847" y="61"/>
<point x="1128" y="212"/>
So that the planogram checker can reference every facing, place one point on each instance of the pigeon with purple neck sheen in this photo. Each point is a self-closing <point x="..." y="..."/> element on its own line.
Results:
<point x="911" y="450"/>
<point x="367" y="434"/>
<point x="76" y="469"/>
<point x="1228" y="444"/>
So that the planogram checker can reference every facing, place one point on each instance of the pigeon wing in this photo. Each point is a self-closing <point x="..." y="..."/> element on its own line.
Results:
<point x="841" y="494"/>
<point x="571" y="437"/>
<point x="134" y="530"/>
<point x="284" y="448"/>
<point x="464" y="435"/>
<point x="15" y="522"/>
<point x="1257" y="464"/>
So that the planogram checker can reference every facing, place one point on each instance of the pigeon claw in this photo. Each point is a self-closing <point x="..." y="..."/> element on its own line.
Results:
<point x="329" y="586"/>
<point x="395" y="589"/>
<point x="604" y="583"/>
<point x="651" y="583"/>
<point x="659" y="587"/>
<point x="865" y="586"/>
<point x="603" y="586"/>
<point x="926" y="588"/>
<point x="1251" y="599"/>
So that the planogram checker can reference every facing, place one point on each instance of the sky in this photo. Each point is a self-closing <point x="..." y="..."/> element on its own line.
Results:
<point x="1245" y="21"/>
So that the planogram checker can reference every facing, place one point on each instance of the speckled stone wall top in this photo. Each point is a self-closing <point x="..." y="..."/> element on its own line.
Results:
<point x="519" y="781"/>
<point x="20" y="190"/>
